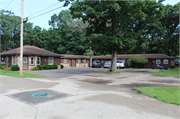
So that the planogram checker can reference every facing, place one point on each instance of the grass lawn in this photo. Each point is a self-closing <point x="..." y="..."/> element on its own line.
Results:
<point x="16" y="74"/>
<point x="173" y="72"/>
<point x="165" y="94"/>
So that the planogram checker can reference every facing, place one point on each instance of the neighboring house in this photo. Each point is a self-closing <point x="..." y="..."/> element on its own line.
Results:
<point x="154" y="60"/>
<point x="75" y="60"/>
<point x="32" y="56"/>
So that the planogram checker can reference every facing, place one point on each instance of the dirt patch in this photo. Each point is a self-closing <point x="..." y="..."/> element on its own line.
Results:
<point x="144" y="85"/>
<point x="97" y="81"/>
<point x="165" y="81"/>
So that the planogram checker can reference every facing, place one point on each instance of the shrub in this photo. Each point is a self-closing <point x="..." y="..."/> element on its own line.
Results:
<point x="172" y="67"/>
<point x="3" y="66"/>
<point x="15" y="68"/>
<point x="55" y="66"/>
<point x="35" y="68"/>
<point x="51" y="67"/>
<point x="62" y="66"/>
<point x="46" y="67"/>
<point x="9" y="69"/>
<point x="40" y="67"/>
<point x="137" y="61"/>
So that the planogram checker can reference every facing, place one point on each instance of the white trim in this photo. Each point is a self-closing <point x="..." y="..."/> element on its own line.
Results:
<point x="65" y="60"/>
<point x="167" y="61"/>
<point x="84" y="60"/>
<point x="32" y="60"/>
<point x="52" y="60"/>
<point x="159" y="61"/>
<point x="39" y="60"/>
<point x="78" y="61"/>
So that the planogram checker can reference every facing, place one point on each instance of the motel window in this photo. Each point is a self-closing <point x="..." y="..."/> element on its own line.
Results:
<point x="50" y="60"/>
<point x="79" y="60"/>
<point x="38" y="61"/>
<point x="14" y="60"/>
<point x="158" y="61"/>
<point x="65" y="60"/>
<point x="84" y="61"/>
<point x="32" y="60"/>
<point x="166" y="61"/>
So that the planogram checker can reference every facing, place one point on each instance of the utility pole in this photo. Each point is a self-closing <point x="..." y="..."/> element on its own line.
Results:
<point x="21" y="39"/>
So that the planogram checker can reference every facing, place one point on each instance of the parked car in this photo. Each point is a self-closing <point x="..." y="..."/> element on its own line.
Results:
<point x="120" y="64"/>
<point x="96" y="63"/>
<point x="107" y="64"/>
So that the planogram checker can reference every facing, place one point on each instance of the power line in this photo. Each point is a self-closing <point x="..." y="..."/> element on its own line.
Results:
<point x="48" y="11"/>
<point x="43" y="9"/>
<point x="8" y="4"/>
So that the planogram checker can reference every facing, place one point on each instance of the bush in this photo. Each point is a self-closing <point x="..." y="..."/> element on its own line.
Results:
<point x="3" y="66"/>
<point x="40" y="67"/>
<point x="55" y="66"/>
<point x="35" y="68"/>
<point x="46" y="67"/>
<point x="137" y="61"/>
<point x="62" y="66"/>
<point x="173" y="66"/>
<point x="15" y="68"/>
<point x="9" y="68"/>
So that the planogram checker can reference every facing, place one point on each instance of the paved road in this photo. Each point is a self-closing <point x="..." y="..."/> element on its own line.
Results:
<point x="89" y="95"/>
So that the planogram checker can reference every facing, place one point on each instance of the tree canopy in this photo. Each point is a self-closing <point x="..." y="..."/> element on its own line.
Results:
<point x="113" y="27"/>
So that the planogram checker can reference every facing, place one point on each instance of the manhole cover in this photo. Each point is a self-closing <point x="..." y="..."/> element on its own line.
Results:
<point x="39" y="96"/>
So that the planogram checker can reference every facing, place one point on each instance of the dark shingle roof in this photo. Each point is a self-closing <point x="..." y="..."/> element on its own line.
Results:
<point x="127" y="56"/>
<point x="65" y="56"/>
<point x="30" y="50"/>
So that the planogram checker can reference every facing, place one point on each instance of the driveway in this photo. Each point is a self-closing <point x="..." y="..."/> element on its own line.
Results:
<point x="85" y="93"/>
<point x="62" y="73"/>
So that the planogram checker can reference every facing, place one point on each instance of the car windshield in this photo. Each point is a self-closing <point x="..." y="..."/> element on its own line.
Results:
<point x="96" y="61"/>
<point x="107" y="62"/>
<point x="119" y="61"/>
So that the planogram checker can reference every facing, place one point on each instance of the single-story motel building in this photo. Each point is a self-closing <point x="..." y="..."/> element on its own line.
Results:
<point x="33" y="56"/>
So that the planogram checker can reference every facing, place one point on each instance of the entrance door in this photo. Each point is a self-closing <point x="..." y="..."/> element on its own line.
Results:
<point x="25" y="63"/>
<point x="73" y="63"/>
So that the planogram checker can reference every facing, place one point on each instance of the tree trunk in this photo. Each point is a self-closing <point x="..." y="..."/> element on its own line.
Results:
<point x="91" y="61"/>
<point x="114" y="60"/>
<point x="114" y="50"/>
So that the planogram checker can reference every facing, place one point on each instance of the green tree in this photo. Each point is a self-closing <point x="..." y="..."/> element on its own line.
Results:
<point x="112" y="22"/>
<point x="67" y="34"/>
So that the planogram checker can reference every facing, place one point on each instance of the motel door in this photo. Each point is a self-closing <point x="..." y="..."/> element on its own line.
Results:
<point x="25" y="63"/>
<point x="73" y="63"/>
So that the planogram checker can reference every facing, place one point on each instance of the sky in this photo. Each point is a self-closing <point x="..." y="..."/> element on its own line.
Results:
<point x="34" y="6"/>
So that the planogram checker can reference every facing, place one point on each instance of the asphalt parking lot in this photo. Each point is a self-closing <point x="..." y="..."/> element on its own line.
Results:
<point x="85" y="93"/>
<point x="62" y="73"/>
